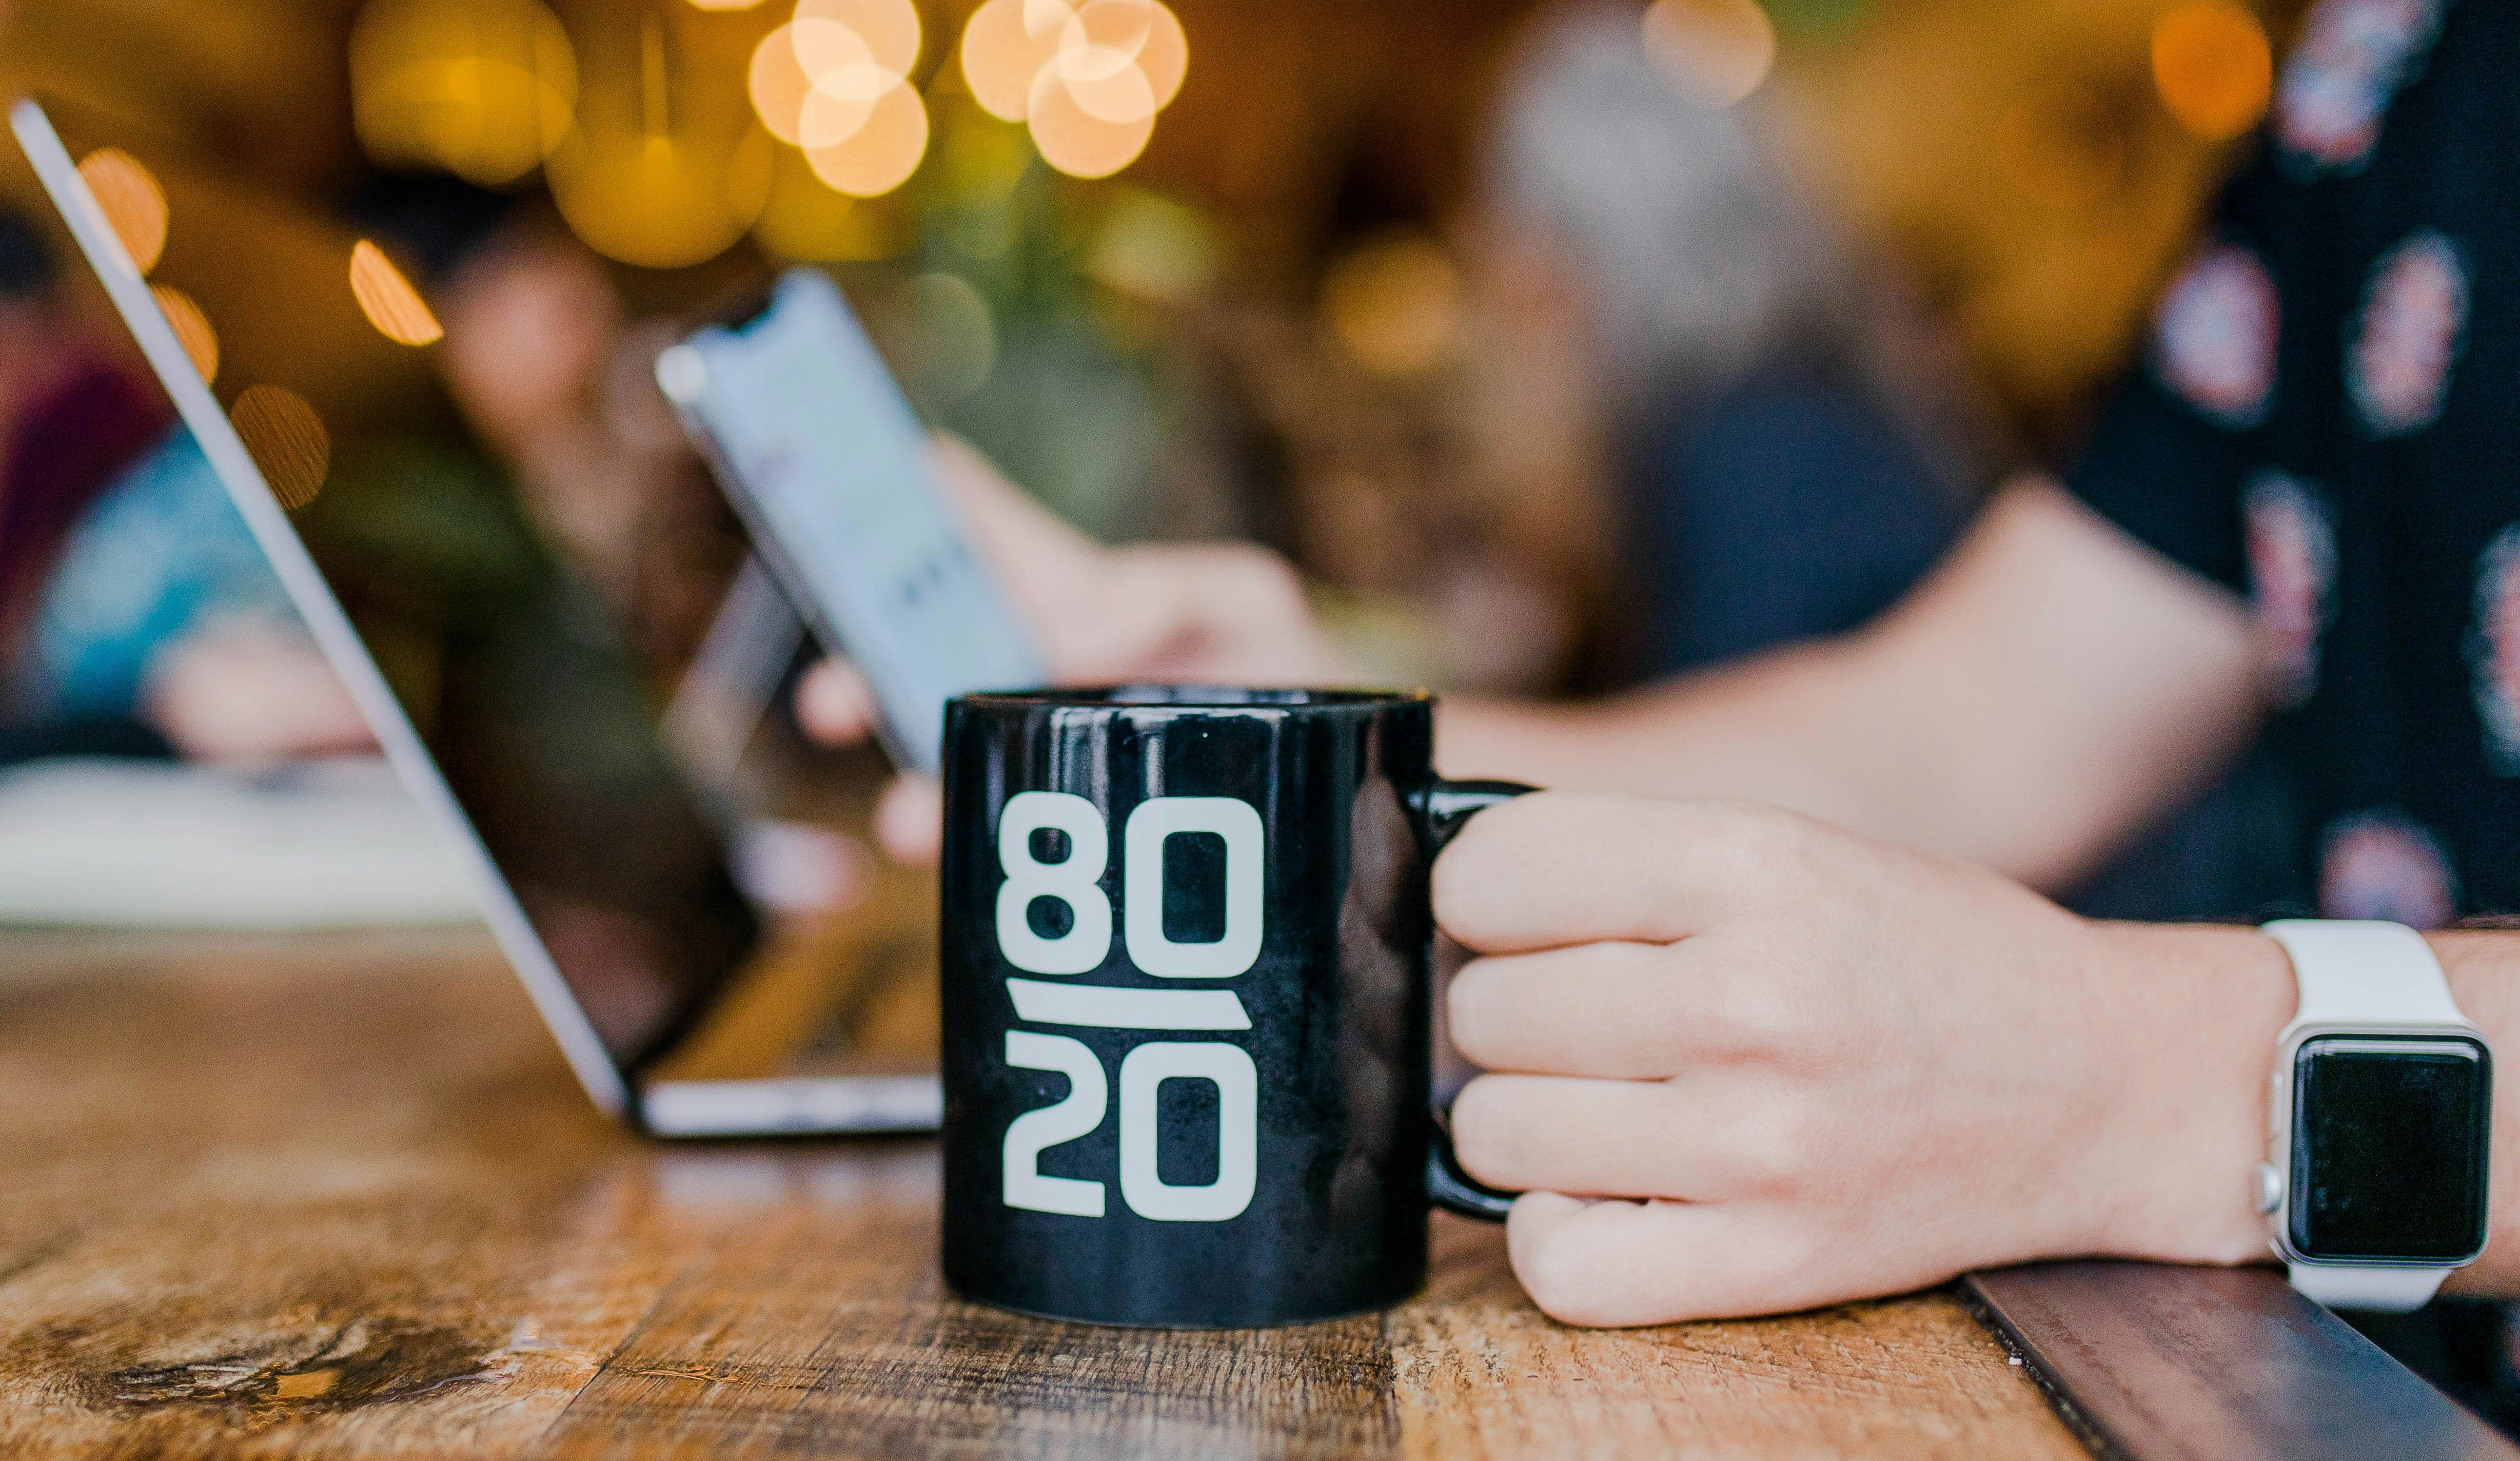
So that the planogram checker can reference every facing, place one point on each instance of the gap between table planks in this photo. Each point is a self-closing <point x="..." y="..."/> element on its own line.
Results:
<point x="336" y="1196"/>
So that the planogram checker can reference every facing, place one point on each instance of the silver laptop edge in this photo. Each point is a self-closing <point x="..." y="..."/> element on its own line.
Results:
<point x="340" y="644"/>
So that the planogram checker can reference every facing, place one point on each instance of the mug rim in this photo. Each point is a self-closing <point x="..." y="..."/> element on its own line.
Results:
<point x="1164" y="696"/>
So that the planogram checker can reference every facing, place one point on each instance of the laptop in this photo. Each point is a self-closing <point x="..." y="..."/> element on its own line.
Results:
<point x="522" y="730"/>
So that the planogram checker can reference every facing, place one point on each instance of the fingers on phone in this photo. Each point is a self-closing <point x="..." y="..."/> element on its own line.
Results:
<point x="910" y="821"/>
<point x="1000" y="516"/>
<point x="834" y="704"/>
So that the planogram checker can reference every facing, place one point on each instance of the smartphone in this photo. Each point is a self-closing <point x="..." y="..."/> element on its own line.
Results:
<point x="830" y="471"/>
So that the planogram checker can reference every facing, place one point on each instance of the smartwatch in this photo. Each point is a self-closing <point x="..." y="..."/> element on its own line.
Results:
<point x="2381" y="1120"/>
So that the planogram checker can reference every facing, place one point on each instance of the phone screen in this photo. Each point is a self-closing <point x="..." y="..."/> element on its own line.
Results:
<point x="822" y="456"/>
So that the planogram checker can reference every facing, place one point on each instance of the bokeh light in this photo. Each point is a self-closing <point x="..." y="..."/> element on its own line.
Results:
<point x="1088" y="79"/>
<point x="724" y="4"/>
<point x="1072" y="139"/>
<point x="882" y="151"/>
<point x="1002" y="55"/>
<point x="843" y="82"/>
<point x="667" y="166"/>
<point x="2213" y="67"/>
<point x="1395" y="303"/>
<point x="1112" y="94"/>
<point x="958" y="337"/>
<point x="1718" y="51"/>
<point x="835" y="82"/>
<point x="287" y="440"/>
<point x="192" y="330"/>
<point x="1152" y="249"/>
<point x="482" y="88"/>
<point x="659" y="202"/>
<point x="779" y="85"/>
<point x="807" y="220"/>
<point x="887" y="28"/>
<point x="838" y="61"/>
<point x="389" y="301"/>
<point x="1164" y="55"/>
<point x="134" y="205"/>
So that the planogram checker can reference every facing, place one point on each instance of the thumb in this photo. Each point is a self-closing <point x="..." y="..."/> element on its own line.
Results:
<point x="1040" y="557"/>
<point x="910" y="821"/>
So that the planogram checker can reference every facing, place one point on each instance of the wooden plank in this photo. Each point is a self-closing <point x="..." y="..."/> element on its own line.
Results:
<point x="2155" y="1362"/>
<point x="817" y="1325"/>
<point x="1482" y="1372"/>
<point x="336" y="1197"/>
<point x="317" y="1196"/>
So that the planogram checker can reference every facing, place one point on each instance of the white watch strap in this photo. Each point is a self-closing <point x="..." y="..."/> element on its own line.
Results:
<point x="2364" y="973"/>
<point x="2369" y="975"/>
<point x="2372" y="1286"/>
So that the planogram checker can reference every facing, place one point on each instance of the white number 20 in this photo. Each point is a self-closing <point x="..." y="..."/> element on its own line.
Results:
<point x="1143" y="1073"/>
<point x="1076" y="881"/>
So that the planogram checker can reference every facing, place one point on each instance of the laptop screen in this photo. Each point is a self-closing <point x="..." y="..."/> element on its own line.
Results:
<point x="508" y="666"/>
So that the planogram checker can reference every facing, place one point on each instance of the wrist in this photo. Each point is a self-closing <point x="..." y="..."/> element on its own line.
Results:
<point x="2478" y="964"/>
<point x="2204" y="1009"/>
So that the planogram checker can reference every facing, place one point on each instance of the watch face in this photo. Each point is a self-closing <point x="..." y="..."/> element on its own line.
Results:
<point x="2389" y="1148"/>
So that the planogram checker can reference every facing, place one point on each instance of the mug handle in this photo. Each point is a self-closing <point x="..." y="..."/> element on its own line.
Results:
<point x="1448" y="808"/>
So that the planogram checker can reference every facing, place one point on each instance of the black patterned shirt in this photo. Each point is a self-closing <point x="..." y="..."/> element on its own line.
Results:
<point x="2328" y="420"/>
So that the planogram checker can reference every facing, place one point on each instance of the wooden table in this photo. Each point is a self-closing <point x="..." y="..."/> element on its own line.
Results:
<point x="337" y="1196"/>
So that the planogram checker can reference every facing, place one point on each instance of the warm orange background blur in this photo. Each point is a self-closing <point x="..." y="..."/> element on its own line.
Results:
<point x="2015" y="155"/>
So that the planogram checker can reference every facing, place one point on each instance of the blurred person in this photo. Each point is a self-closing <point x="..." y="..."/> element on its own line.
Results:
<point x="137" y="615"/>
<point x="543" y="359"/>
<point x="1768" y="402"/>
<point x="1820" y="1039"/>
<point x="1795" y="450"/>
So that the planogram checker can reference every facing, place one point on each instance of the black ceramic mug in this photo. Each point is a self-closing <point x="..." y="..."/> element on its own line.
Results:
<point x="1187" y="1003"/>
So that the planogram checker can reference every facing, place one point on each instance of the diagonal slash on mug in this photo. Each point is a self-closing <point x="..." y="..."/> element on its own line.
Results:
<point x="1186" y="993"/>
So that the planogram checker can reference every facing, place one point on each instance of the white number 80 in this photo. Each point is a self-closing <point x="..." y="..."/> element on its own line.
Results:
<point x="1076" y="881"/>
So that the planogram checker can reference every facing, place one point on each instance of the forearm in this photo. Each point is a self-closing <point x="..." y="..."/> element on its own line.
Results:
<point x="1858" y="732"/>
<point x="2029" y="708"/>
<point x="1759" y="731"/>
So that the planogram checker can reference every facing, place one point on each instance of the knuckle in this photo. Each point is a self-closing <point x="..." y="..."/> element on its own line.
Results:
<point x="1756" y="1013"/>
<point x="1779" y="1144"/>
<point x="1758" y="847"/>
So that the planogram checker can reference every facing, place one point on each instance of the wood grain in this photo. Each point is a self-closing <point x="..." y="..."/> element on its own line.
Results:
<point x="1480" y="1372"/>
<point x="336" y="1197"/>
<point x="2219" y="1364"/>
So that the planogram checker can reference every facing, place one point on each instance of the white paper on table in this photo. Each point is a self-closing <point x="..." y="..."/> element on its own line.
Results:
<point x="131" y="844"/>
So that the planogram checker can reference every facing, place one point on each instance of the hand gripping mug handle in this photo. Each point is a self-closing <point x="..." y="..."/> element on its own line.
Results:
<point x="1447" y="809"/>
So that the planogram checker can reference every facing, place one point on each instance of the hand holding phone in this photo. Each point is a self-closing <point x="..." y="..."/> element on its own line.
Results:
<point x="823" y="459"/>
<point x="1216" y="613"/>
